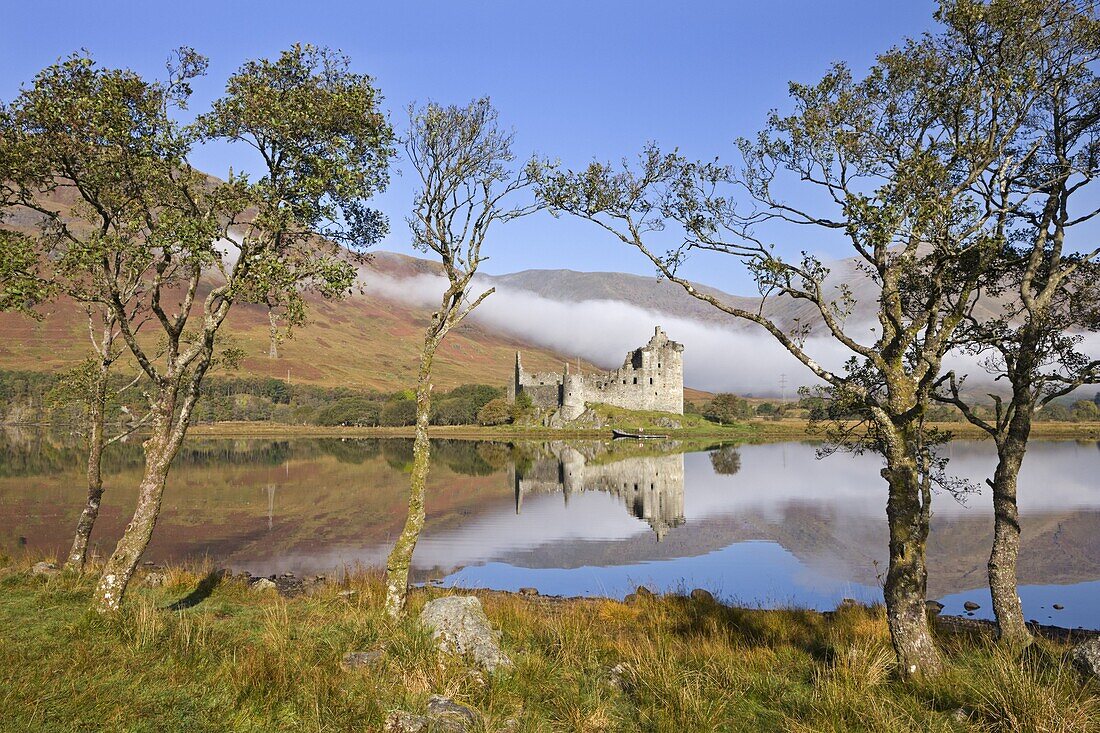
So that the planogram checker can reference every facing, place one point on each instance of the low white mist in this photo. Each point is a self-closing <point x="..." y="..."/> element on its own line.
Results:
<point x="746" y="361"/>
<point x="744" y="358"/>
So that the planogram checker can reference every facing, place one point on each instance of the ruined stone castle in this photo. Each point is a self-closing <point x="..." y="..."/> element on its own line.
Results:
<point x="651" y="378"/>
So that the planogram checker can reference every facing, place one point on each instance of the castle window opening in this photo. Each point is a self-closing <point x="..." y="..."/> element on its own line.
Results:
<point x="635" y="380"/>
<point x="651" y="382"/>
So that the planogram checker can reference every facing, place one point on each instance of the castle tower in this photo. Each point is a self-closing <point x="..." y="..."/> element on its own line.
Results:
<point x="572" y="395"/>
<point x="517" y="380"/>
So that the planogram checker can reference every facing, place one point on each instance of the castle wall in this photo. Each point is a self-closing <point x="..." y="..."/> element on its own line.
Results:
<point x="651" y="378"/>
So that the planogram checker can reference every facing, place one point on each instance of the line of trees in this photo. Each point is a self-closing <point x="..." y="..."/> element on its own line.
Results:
<point x="39" y="398"/>
<point x="956" y="171"/>
<point x="157" y="252"/>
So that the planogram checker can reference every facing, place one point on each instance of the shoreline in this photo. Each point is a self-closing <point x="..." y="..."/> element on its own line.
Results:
<point x="289" y="586"/>
<point x="752" y="430"/>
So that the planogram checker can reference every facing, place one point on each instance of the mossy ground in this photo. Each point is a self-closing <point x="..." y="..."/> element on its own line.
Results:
<point x="219" y="657"/>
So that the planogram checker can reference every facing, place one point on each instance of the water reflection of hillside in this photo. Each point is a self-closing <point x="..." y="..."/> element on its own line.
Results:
<point x="651" y="487"/>
<point x="314" y="505"/>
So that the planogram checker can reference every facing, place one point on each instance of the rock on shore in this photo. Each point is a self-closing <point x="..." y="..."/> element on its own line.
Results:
<point x="459" y="626"/>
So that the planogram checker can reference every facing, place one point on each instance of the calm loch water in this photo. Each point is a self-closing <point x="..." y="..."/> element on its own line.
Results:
<point x="769" y="525"/>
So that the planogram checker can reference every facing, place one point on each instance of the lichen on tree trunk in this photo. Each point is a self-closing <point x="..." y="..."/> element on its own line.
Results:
<point x="1007" y="609"/>
<point x="123" y="562"/>
<point x="273" y="334"/>
<point x="400" y="557"/>
<point x="905" y="589"/>
<point x="908" y="513"/>
<point x="169" y="430"/>
<point x="78" y="553"/>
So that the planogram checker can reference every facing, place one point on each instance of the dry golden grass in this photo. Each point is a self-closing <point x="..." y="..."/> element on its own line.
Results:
<point x="240" y="660"/>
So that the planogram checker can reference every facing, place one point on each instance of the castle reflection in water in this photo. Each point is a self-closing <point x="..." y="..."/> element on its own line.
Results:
<point x="651" y="487"/>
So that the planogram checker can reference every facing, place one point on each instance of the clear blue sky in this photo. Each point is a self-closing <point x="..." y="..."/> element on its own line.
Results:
<point x="576" y="80"/>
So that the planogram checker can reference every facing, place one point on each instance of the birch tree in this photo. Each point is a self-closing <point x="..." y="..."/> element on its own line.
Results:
<point x="464" y="166"/>
<point x="890" y="161"/>
<point x="89" y="384"/>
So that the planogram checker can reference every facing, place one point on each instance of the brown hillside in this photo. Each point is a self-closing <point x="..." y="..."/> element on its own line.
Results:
<point x="360" y="342"/>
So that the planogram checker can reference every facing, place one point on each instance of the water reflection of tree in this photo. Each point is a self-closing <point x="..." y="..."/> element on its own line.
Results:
<point x="726" y="460"/>
<point x="354" y="451"/>
<point x="465" y="457"/>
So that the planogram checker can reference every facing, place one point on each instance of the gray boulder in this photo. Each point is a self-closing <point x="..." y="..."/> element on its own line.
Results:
<point x="459" y="626"/>
<point x="702" y="595"/>
<point x="445" y="709"/>
<point x="444" y="715"/>
<point x="156" y="579"/>
<point x="262" y="585"/>
<point x="1086" y="657"/>
<point x="45" y="568"/>
<point x="619" y="676"/>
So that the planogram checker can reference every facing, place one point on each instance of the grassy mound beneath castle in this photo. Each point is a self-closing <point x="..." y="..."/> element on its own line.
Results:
<point x="200" y="655"/>
<point x="664" y="423"/>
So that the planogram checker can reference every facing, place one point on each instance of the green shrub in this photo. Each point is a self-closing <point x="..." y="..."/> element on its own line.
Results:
<point x="726" y="408"/>
<point x="398" y="413"/>
<point x="358" y="411"/>
<point x="496" y="412"/>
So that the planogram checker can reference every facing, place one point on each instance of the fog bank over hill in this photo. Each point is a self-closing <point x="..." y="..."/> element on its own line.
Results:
<point x="600" y="316"/>
<point x="746" y="360"/>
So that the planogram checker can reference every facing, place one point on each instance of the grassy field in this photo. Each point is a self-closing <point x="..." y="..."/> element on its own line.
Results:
<point x="201" y="654"/>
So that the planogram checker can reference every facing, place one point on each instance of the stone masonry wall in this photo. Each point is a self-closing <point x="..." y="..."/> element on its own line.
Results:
<point x="651" y="378"/>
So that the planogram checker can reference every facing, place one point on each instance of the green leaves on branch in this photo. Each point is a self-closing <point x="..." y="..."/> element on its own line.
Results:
<point x="324" y="142"/>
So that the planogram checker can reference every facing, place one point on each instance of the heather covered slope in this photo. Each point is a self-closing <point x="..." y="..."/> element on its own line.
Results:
<point x="363" y="341"/>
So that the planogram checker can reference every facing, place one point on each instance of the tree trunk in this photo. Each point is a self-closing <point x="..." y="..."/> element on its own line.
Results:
<point x="1011" y="629"/>
<point x="78" y="554"/>
<point x="123" y="562"/>
<point x="906" y="585"/>
<point x="273" y="348"/>
<point x="400" y="558"/>
<point x="169" y="430"/>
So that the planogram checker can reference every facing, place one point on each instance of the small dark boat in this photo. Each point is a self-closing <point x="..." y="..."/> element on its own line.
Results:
<point x="623" y="434"/>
